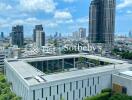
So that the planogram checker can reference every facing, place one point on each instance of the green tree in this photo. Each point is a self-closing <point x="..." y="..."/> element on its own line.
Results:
<point x="5" y="92"/>
<point x="119" y="96"/>
<point x="81" y="59"/>
<point x="16" y="98"/>
<point x="102" y="96"/>
<point x="2" y="78"/>
<point x="108" y="94"/>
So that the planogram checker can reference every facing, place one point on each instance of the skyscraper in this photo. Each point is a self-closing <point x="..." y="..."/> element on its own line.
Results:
<point x="2" y="35"/>
<point x="17" y="36"/>
<point x="37" y="28"/>
<point x="102" y="21"/>
<point x="82" y="33"/>
<point x="39" y="35"/>
<point x="76" y="35"/>
<point x="130" y="34"/>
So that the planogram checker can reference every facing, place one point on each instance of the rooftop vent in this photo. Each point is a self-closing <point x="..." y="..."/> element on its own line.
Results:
<point x="39" y="79"/>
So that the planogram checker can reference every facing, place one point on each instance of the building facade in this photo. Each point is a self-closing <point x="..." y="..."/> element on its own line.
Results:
<point x="82" y="32"/>
<point x="37" y="28"/>
<point x="2" y="57"/>
<point x="17" y="36"/>
<point x="76" y="35"/>
<point x="130" y="34"/>
<point x="39" y="35"/>
<point x="2" y="35"/>
<point x="102" y="21"/>
<point x="40" y="38"/>
<point x="29" y="80"/>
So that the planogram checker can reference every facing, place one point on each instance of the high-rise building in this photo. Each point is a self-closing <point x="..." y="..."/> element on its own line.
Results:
<point x="39" y="35"/>
<point x="2" y="57"/>
<point x="76" y="35"/>
<point x="37" y="28"/>
<point x="130" y="34"/>
<point x="2" y="35"/>
<point x="56" y="35"/>
<point x="60" y="35"/>
<point x="17" y="36"/>
<point x="102" y="21"/>
<point x="82" y="33"/>
<point x="40" y="38"/>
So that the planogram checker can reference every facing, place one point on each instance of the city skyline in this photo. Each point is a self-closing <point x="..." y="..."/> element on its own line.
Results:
<point x="56" y="15"/>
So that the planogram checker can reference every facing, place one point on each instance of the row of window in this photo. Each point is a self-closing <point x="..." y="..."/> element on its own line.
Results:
<point x="77" y="87"/>
<point x="68" y="94"/>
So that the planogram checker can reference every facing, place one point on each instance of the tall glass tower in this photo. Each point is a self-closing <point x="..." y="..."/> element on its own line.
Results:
<point x="17" y="35"/>
<point x="102" y="21"/>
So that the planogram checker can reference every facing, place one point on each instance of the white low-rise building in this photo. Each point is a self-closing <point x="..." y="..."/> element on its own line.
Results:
<point x="48" y="50"/>
<point x="2" y="57"/>
<point x="33" y="79"/>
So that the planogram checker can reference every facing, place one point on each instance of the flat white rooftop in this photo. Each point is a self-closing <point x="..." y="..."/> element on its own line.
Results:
<point x="74" y="56"/>
<point x="128" y="73"/>
<point x="30" y="74"/>
<point x="24" y="69"/>
<point x="83" y="72"/>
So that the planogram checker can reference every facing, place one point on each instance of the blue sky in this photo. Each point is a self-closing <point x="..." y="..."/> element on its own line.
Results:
<point x="64" y="16"/>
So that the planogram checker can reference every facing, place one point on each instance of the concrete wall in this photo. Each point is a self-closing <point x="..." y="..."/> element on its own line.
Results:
<point x="17" y="83"/>
<point x="123" y="81"/>
<point x="76" y="88"/>
<point x="72" y="89"/>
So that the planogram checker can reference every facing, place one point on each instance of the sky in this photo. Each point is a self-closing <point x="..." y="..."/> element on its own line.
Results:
<point x="63" y="16"/>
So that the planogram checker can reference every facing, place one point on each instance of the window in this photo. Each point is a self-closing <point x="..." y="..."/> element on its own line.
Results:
<point x="50" y="91"/>
<point x="67" y="96"/>
<point x="76" y="84"/>
<point x="88" y="82"/>
<point x="95" y="89"/>
<point x="90" y="90"/>
<point x="85" y="92"/>
<point x="124" y="90"/>
<point x="93" y="80"/>
<point x="33" y="94"/>
<point x="73" y="95"/>
<point x="70" y="86"/>
<point x="98" y="79"/>
<point x="79" y="93"/>
<point x="82" y="83"/>
<point x="57" y="89"/>
<point x="60" y="96"/>
<point x="53" y="97"/>
<point x="42" y="92"/>
<point x="64" y="87"/>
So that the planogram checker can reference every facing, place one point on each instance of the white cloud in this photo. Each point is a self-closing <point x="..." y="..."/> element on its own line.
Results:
<point x="4" y="22"/>
<point x="69" y="21"/>
<point x="70" y="1"/>
<point x="33" y="5"/>
<point x="51" y="24"/>
<point x="4" y="7"/>
<point x="125" y="3"/>
<point x="32" y="20"/>
<point x="129" y="12"/>
<point x="18" y="22"/>
<point x="82" y="20"/>
<point x="62" y="15"/>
